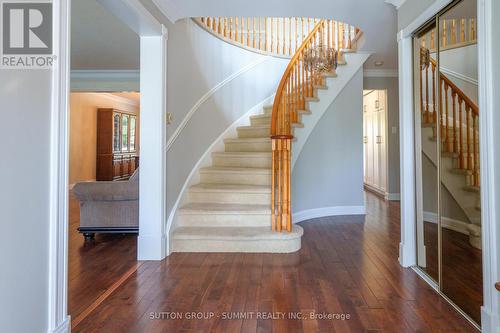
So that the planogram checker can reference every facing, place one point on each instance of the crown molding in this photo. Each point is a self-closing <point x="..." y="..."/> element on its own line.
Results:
<point x="105" y="80"/>
<point x="395" y="3"/>
<point x="380" y="73"/>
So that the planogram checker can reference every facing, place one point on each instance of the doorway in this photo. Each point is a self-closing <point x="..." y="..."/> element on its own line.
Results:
<point x="446" y="120"/>
<point x="103" y="195"/>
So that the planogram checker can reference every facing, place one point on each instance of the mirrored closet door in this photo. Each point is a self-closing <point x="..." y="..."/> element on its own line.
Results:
<point x="447" y="155"/>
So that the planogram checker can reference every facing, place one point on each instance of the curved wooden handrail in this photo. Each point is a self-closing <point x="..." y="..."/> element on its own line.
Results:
<point x="497" y="285"/>
<point x="279" y="92"/>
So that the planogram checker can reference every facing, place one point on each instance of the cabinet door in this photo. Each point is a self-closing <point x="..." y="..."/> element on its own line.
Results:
<point x="125" y="132"/>
<point x="381" y="126"/>
<point x="116" y="132"/>
<point x="133" y="136"/>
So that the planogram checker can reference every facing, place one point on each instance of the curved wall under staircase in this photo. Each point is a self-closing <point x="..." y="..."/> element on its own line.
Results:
<point x="211" y="84"/>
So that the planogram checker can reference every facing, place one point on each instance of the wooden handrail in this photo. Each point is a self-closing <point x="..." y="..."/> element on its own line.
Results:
<point x="457" y="90"/>
<point x="497" y="285"/>
<point x="275" y="133"/>
<point x="464" y="114"/>
<point x="299" y="82"/>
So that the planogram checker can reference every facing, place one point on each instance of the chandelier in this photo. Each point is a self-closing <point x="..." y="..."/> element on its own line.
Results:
<point x="320" y="59"/>
<point x="425" y="58"/>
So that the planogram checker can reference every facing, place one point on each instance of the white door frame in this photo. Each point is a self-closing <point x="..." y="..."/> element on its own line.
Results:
<point x="490" y="310"/>
<point x="152" y="244"/>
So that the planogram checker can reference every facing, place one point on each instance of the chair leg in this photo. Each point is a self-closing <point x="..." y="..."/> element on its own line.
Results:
<point x="89" y="236"/>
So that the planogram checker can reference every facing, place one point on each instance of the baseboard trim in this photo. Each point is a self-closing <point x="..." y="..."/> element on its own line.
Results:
<point x="374" y="190"/>
<point x="63" y="327"/>
<point x="327" y="211"/>
<point x="490" y="322"/>
<point x="153" y="247"/>
<point x="448" y="223"/>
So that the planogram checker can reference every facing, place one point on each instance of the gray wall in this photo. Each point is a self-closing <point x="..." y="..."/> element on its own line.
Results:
<point x="329" y="171"/>
<point x="391" y="85"/>
<point x="197" y="62"/>
<point x="25" y="97"/>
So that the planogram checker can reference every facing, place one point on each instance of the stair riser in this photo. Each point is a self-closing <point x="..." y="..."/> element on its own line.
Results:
<point x="268" y="110"/>
<point x="247" y="146"/>
<point x="235" y="178"/>
<point x="260" y="121"/>
<point x="250" y="162"/>
<point x="258" y="246"/>
<point x="254" y="133"/>
<point x="230" y="198"/>
<point x="224" y="220"/>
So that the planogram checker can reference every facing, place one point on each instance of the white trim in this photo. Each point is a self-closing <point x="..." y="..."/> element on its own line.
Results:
<point x="64" y="327"/>
<point x="206" y="158"/>
<point x="393" y="196"/>
<point x="380" y="73"/>
<point x="490" y="311"/>
<point x="327" y="211"/>
<point x="152" y="243"/>
<point x="105" y="80"/>
<point x="428" y="13"/>
<point x="208" y="94"/>
<point x="58" y="319"/>
<point x="448" y="223"/>
<point x="395" y="3"/>
<point x="407" y="247"/>
<point x="459" y="76"/>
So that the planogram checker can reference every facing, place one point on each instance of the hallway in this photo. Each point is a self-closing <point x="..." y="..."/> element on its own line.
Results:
<point x="347" y="268"/>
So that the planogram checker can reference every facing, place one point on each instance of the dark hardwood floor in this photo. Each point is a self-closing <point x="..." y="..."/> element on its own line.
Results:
<point x="462" y="268"/>
<point x="347" y="266"/>
<point x="94" y="266"/>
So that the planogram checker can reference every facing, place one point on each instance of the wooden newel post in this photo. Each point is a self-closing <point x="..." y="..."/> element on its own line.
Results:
<point x="281" y="216"/>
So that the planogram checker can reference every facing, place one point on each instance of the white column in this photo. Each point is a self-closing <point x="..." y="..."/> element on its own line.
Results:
<point x="407" y="247"/>
<point x="152" y="241"/>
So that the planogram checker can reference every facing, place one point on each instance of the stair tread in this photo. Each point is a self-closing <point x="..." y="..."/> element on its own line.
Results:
<point x="235" y="169"/>
<point x="218" y="187"/>
<point x="236" y="233"/>
<point x="252" y="127"/>
<point x="260" y="140"/>
<point x="209" y="207"/>
<point x="261" y="115"/>
<point x="243" y="153"/>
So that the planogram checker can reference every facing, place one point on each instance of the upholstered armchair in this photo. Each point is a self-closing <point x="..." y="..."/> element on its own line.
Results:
<point x="108" y="207"/>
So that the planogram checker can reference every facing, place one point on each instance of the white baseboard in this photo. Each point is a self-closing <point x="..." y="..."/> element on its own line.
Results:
<point x="393" y="196"/>
<point x="448" y="223"/>
<point x="327" y="211"/>
<point x="152" y="247"/>
<point x="490" y="322"/>
<point x="63" y="327"/>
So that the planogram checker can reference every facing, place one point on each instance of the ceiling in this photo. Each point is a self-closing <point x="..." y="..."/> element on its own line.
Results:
<point x="101" y="41"/>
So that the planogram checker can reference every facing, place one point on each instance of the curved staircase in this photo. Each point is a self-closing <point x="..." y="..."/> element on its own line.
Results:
<point x="459" y="146"/>
<point x="230" y="209"/>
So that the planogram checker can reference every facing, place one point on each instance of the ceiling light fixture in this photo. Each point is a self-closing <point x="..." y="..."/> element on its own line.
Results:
<point x="378" y="63"/>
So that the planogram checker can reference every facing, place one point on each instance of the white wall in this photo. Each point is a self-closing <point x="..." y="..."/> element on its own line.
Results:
<point x="198" y="62"/>
<point x="391" y="85"/>
<point x="25" y="98"/>
<point x="329" y="171"/>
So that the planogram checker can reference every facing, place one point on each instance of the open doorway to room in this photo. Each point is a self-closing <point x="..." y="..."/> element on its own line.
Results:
<point x="103" y="194"/>
<point x="375" y="148"/>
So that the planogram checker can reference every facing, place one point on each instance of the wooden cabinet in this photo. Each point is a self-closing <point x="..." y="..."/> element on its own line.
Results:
<point x="375" y="141"/>
<point x="117" y="156"/>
